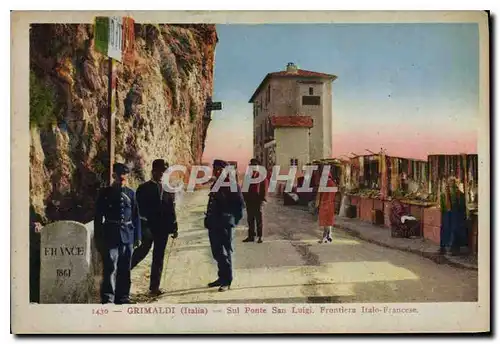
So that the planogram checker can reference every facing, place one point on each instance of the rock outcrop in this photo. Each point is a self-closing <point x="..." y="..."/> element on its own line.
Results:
<point x="161" y="95"/>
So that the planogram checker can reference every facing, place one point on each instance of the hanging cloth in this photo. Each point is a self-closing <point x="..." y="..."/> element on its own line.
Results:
<point x="464" y="167"/>
<point x="393" y="173"/>
<point x="445" y="166"/>
<point x="383" y="176"/>
<point x="460" y="168"/>
<point x="435" y="169"/>
<point x="432" y="170"/>
<point x="398" y="181"/>
<point x="476" y="168"/>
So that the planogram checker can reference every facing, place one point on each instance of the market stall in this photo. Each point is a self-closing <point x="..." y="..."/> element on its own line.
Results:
<point x="464" y="168"/>
<point x="377" y="178"/>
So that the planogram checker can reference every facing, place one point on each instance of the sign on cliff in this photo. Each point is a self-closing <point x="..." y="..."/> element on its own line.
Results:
<point x="114" y="36"/>
<point x="214" y="106"/>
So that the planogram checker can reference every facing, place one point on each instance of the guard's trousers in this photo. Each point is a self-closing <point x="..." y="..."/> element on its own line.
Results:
<point x="116" y="275"/>
<point x="222" y="249"/>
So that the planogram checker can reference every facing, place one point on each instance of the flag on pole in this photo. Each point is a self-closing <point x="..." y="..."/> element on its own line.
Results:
<point x="128" y="39"/>
<point x="114" y="36"/>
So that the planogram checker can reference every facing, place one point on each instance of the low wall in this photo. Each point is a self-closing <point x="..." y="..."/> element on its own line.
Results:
<point x="428" y="216"/>
<point x="365" y="209"/>
<point x="432" y="224"/>
<point x="356" y="200"/>
<point x="417" y="211"/>
<point x="387" y="214"/>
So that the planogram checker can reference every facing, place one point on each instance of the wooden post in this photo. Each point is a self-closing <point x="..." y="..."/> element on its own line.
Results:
<point x="111" y="41"/>
<point x="111" y="116"/>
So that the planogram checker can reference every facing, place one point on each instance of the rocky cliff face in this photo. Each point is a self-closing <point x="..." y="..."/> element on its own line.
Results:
<point x="161" y="94"/>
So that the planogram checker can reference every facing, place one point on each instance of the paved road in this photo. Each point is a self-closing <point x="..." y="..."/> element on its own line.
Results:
<point x="291" y="266"/>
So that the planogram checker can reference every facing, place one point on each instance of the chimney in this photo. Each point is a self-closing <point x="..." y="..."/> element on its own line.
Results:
<point x="291" y="67"/>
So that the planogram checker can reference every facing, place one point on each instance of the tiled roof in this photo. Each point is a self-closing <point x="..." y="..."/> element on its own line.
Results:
<point x="305" y="73"/>
<point x="292" y="121"/>
<point x="298" y="73"/>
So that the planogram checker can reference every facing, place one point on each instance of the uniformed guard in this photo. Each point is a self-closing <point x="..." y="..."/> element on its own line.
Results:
<point x="224" y="211"/>
<point x="157" y="208"/>
<point x="117" y="235"/>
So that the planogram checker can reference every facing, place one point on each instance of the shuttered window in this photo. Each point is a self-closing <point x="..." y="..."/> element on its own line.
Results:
<point x="311" y="100"/>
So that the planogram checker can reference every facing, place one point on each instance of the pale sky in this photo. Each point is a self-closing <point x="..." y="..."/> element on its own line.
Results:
<point x="410" y="88"/>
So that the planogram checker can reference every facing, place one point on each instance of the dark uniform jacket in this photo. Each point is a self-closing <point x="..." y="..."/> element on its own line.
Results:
<point x="257" y="193"/>
<point x="225" y="208"/>
<point x="121" y="223"/>
<point x="157" y="209"/>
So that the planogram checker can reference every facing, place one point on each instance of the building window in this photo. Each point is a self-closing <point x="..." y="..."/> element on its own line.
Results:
<point x="311" y="100"/>
<point x="294" y="162"/>
<point x="269" y="130"/>
<point x="268" y="93"/>
<point x="311" y="91"/>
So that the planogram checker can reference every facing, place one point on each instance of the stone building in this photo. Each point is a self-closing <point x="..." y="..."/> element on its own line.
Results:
<point x="292" y="116"/>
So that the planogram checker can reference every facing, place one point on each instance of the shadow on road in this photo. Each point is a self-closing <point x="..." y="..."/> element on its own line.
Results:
<point x="311" y="299"/>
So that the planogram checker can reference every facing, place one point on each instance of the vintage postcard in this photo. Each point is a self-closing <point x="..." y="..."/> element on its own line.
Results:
<point x="250" y="172"/>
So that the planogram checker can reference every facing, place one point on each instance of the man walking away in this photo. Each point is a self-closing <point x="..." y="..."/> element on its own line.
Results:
<point x="117" y="235"/>
<point x="255" y="199"/>
<point x="224" y="211"/>
<point x="157" y="208"/>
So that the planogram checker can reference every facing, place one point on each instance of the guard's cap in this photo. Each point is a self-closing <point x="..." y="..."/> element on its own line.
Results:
<point x="254" y="161"/>
<point x="160" y="165"/>
<point x="219" y="163"/>
<point x="120" y="168"/>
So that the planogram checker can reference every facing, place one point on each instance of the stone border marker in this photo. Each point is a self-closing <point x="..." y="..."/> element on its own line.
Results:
<point x="65" y="263"/>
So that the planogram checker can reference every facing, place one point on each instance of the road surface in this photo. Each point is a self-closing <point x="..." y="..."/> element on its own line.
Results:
<point x="290" y="266"/>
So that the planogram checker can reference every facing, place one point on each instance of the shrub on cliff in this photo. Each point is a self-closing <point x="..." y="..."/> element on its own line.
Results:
<point x="42" y="103"/>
